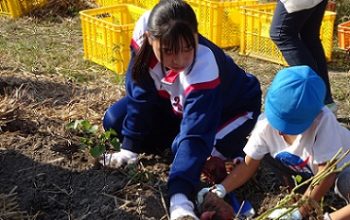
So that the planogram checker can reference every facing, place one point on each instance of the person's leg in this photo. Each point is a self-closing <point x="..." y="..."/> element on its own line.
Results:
<point x="284" y="32"/>
<point x="342" y="185"/>
<point x="114" y="115"/>
<point x="165" y="125"/>
<point x="310" y="35"/>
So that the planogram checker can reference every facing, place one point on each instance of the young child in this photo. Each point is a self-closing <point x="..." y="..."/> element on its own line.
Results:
<point x="299" y="133"/>
<point x="185" y="92"/>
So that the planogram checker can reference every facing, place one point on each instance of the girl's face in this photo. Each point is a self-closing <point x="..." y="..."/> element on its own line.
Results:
<point x="171" y="60"/>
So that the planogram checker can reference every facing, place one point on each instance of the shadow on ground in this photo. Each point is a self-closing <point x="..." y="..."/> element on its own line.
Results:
<point x="50" y="192"/>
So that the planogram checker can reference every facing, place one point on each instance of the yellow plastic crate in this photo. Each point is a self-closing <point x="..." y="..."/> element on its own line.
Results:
<point x="16" y="8"/>
<point x="105" y="3"/>
<point x="147" y="4"/>
<point x="219" y="21"/>
<point x="107" y="33"/>
<point x="344" y="35"/>
<point x="255" y="38"/>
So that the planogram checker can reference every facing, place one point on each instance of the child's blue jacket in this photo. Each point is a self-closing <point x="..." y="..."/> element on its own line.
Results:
<point x="205" y="97"/>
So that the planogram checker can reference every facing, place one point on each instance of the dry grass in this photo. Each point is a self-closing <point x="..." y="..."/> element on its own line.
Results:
<point x="62" y="8"/>
<point x="45" y="83"/>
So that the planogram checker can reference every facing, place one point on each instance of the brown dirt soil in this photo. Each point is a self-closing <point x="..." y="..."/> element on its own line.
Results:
<point x="43" y="164"/>
<point x="45" y="173"/>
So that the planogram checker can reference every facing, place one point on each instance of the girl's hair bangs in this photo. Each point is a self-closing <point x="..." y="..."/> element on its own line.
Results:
<point x="175" y="35"/>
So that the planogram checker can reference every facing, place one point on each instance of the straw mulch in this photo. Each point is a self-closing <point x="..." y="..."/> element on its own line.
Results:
<point x="36" y="108"/>
<point x="63" y="8"/>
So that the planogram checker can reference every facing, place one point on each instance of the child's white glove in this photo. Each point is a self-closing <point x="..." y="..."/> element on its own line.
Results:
<point x="326" y="216"/>
<point x="293" y="215"/>
<point x="180" y="207"/>
<point x="118" y="159"/>
<point x="218" y="189"/>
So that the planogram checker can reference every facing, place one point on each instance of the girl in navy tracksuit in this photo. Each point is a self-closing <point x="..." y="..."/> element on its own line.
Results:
<point x="185" y="92"/>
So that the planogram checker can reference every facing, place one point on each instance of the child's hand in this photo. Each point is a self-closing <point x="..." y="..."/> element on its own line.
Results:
<point x="119" y="159"/>
<point x="214" y="170"/>
<point x="214" y="207"/>
<point x="293" y="215"/>
<point x="218" y="189"/>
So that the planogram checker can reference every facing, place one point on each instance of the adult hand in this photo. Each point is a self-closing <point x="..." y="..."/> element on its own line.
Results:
<point x="119" y="159"/>
<point x="293" y="215"/>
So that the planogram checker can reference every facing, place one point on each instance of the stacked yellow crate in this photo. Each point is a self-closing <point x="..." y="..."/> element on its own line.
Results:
<point x="17" y="8"/>
<point x="107" y="33"/>
<point x="227" y="23"/>
<point x="255" y="39"/>
<point x="219" y="21"/>
<point x="147" y="4"/>
<point x="106" y="39"/>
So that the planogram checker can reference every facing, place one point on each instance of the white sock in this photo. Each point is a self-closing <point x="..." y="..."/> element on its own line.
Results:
<point x="180" y="206"/>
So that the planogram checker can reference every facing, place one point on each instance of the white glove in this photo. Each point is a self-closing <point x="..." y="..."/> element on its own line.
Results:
<point x="180" y="207"/>
<point x="118" y="159"/>
<point x="293" y="215"/>
<point x="326" y="216"/>
<point x="218" y="189"/>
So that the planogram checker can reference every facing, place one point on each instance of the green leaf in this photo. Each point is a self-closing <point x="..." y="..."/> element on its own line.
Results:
<point x="86" y="125"/>
<point x="86" y="141"/>
<point x="298" y="178"/>
<point x="74" y="124"/>
<point x="103" y="138"/>
<point x="93" y="129"/>
<point x="97" y="150"/>
<point x="116" y="144"/>
<point x="107" y="135"/>
<point x="112" y="132"/>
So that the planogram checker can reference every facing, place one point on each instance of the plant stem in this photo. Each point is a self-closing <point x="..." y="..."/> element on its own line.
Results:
<point x="331" y="167"/>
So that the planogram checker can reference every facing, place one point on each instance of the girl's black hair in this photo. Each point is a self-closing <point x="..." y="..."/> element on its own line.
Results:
<point x="169" y="21"/>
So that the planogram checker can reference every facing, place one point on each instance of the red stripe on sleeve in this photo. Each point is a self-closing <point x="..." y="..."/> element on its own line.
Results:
<point x="232" y="119"/>
<point x="205" y="85"/>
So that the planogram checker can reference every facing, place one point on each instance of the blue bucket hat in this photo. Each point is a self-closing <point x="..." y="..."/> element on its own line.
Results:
<point x="294" y="99"/>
